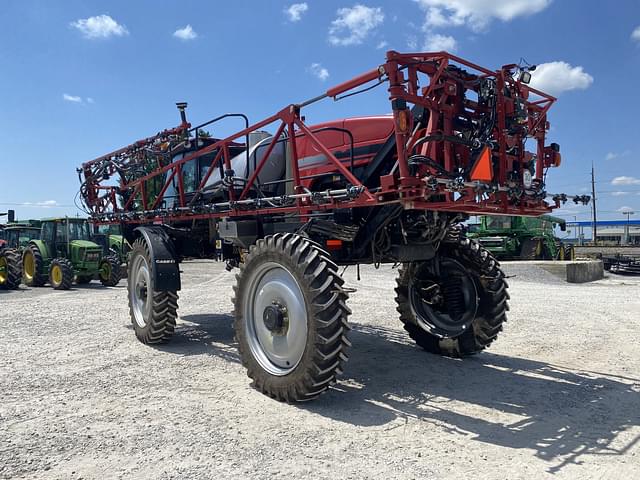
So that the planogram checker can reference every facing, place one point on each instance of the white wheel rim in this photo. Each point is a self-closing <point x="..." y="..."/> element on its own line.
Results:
<point x="279" y="352"/>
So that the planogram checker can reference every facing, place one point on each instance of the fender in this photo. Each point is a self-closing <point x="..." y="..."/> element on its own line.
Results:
<point x="165" y="268"/>
<point x="44" y="250"/>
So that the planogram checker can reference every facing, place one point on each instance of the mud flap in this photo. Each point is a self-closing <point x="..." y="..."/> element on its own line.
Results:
<point x="164" y="261"/>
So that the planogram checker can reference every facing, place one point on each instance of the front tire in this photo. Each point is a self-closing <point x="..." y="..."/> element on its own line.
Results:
<point x="454" y="324"/>
<point x="153" y="314"/>
<point x="109" y="271"/>
<point x="291" y="318"/>
<point x="10" y="269"/>
<point x="61" y="274"/>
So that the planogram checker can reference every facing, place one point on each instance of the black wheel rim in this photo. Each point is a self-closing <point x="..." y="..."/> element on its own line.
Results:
<point x="444" y="303"/>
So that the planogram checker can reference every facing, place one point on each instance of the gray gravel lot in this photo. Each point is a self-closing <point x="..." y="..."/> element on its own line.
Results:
<point x="558" y="395"/>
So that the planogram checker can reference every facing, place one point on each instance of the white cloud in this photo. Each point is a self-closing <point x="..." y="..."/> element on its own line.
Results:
<point x="77" y="99"/>
<point x="437" y="43"/>
<point x="353" y="25"/>
<point x="557" y="77"/>
<point x="319" y="71"/>
<point x="46" y="204"/>
<point x="435" y="18"/>
<point x="477" y="14"/>
<point x="100" y="26"/>
<point x="185" y="33"/>
<point x="625" y="209"/>
<point x="624" y="180"/>
<point x="295" y="11"/>
<point x="620" y="194"/>
<point x="71" y="98"/>
<point x="382" y="44"/>
<point x="614" y="155"/>
<point x="635" y="35"/>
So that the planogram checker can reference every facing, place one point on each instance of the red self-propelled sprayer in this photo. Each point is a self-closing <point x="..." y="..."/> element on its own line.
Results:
<point x="288" y="207"/>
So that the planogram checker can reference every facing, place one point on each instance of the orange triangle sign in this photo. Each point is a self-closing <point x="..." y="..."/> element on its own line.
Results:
<point x="483" y="170"/>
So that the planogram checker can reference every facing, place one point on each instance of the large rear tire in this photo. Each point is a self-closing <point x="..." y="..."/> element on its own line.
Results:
<point x="532" y="249"/>
<point x="10" y="269"/>
<point x="109" y="273"/>
<point x="61" y="274"/>
<point x="153" y="314"/>
<point x="459" y="311"/>
<point x="33" y="274"/>
<point x="291" y="318"/>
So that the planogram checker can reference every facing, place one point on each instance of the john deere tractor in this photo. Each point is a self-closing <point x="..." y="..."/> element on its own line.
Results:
<point x="16" y="237"/>
<point x="64" y="252"/>
<point x="110" y="238"/>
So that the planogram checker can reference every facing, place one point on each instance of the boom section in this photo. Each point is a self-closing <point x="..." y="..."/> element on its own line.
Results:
<point x="456" y="144"/>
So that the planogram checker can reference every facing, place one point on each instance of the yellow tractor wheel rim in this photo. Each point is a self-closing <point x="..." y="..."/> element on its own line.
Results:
<point x="29" y="266"/>
<point x="105" y="271"/>
<point x="3" y="271"/>
<point x="56" y="274"/>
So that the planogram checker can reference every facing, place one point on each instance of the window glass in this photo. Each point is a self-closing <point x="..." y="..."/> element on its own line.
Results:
<point x="78" y="231"/>
<point x="189" y="175"/>
<point x="498" y="222"/>
<point x="47" y="231"/>
<point x="61" y="233"/>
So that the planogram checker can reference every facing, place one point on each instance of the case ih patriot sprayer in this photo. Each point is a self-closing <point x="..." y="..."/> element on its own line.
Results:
<point x="287" y="208"/>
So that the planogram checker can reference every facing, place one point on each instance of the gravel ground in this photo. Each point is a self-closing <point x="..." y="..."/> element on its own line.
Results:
<point x="558" y="395"/>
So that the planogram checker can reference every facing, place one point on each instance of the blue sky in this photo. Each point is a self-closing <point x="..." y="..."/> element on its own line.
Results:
<point x="80" y="78"/>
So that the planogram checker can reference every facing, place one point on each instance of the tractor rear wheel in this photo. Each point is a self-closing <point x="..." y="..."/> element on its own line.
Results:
<point x="61" y="274"/>
<point x="290" y="318"/>
<point x="10" y="269"/>
<point x="32" y="267"/>
<point x="455" y="305"/>
<point x="109" y="271"/>
<point x="569" y="252"/>
<point x="153" y="314"/>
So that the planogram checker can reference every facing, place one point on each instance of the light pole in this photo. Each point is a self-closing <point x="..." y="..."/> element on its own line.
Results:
<point x="628" y="213"/>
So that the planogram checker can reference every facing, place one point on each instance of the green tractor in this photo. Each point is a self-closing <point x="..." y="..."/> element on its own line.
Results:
<point x="15" y="236"/>
<point x="522" y="238"/>
<point x="110" y="238"/>
<point x="66" y="251"/>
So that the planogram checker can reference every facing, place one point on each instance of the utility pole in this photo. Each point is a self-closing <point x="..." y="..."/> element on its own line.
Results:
<point x="594" y="227"/>
<point x="628" y="213"/>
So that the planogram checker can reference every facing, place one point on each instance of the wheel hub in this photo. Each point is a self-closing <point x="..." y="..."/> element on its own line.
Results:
<point x="274" y="317"/>
<point x="444" y="300"/>
<point x="3" y="270"/>
<point x="29" y="266"/>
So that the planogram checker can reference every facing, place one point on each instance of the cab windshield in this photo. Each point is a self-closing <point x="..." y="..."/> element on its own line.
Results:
<point x="498" y="223"/>
<point x="78" y="231"/>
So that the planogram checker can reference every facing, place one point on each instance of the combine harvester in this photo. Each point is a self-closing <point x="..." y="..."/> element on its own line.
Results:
<point x="288" y="208"/>
<point x="522" y="238"/>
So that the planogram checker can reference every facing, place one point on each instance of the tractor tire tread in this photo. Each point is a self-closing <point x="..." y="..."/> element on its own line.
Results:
<point x="492" y="306"/>
<point x="67" y="273"/>
<point x="326" y="349"/>
<point x="161" y="325"/>
<point x="14" y="268"/>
